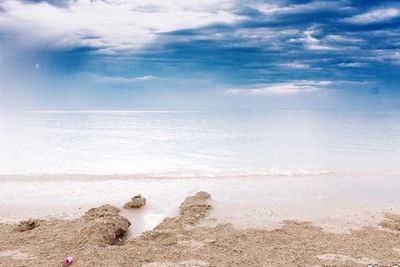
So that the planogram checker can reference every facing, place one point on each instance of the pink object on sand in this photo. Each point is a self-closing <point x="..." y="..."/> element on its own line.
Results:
<point x="68" y="260"/>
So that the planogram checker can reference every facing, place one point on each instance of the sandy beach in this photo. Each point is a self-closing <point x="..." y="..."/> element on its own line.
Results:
<point x="259" y="221"/>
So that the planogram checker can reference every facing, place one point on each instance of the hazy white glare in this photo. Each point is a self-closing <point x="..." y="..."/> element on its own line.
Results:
<point x="200" y="143"/>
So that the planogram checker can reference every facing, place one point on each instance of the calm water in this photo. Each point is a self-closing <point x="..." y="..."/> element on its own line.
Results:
<point x="274" y="142"/>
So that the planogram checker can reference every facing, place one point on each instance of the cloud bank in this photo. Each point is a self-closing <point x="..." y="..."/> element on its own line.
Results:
<point x="110" y="26"/>
<point x="288" y="88"/>
<point x="257" y="48"/>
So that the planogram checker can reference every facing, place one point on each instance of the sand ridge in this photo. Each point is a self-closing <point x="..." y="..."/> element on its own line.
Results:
<point x="97" y="239"/>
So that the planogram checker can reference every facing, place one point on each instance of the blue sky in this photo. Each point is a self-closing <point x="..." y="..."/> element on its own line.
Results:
<point x="167" y="54"/>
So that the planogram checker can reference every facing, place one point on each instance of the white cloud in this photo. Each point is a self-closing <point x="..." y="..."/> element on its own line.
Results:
<point x="109" y="79"/>
<point x="288" y="88"/>
<point x="312" y="43"/>
<point x="295" y="65"/>
<point x="269" y="8"/>
<point x="146" y="78"/>
<point x="320" y="47"/>
<point x="116" y="25"/>
<point x="374" y="16"/>
<point x="342" y="39"/>
<point x="268" y="38"/>
<point x="387" y="56"/>
<point x="353" y="65"/>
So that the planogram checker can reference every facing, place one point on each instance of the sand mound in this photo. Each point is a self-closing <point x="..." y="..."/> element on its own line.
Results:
<point x="192" y="210"/>
<point x="102" y="226"/>
<point x="135" y="202"/>
<point x="195" y="207"/>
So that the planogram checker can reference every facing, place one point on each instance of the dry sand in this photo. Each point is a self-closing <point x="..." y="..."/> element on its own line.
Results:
<point x="97" y="239"/>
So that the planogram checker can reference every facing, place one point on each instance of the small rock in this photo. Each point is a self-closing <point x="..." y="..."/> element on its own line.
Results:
<point x="136" y="202"/>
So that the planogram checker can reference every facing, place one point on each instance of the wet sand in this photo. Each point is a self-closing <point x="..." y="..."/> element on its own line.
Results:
<point x="189" y="239"/>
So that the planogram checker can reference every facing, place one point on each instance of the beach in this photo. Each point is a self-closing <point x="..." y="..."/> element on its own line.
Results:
<point x="252" y="221"/>
<point x="288" y="188"/>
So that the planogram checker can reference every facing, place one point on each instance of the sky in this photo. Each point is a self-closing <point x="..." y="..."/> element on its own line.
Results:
<point x="199" y="54"/>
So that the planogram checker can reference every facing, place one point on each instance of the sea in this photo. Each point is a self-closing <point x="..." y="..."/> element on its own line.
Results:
<point x="206" y="143"/>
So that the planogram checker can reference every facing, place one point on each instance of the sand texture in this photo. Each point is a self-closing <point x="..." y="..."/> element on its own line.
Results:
<point x="97" y="239"/>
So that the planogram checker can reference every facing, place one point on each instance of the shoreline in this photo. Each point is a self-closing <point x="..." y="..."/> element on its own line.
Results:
<point x="269" y="174"/>
<point x="252" y="202"/>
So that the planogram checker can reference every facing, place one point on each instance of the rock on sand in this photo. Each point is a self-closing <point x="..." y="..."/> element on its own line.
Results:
<point x="135" y="202"/>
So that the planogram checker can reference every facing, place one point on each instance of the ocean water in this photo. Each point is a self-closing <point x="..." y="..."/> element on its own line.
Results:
<point x="200" y="143"/>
